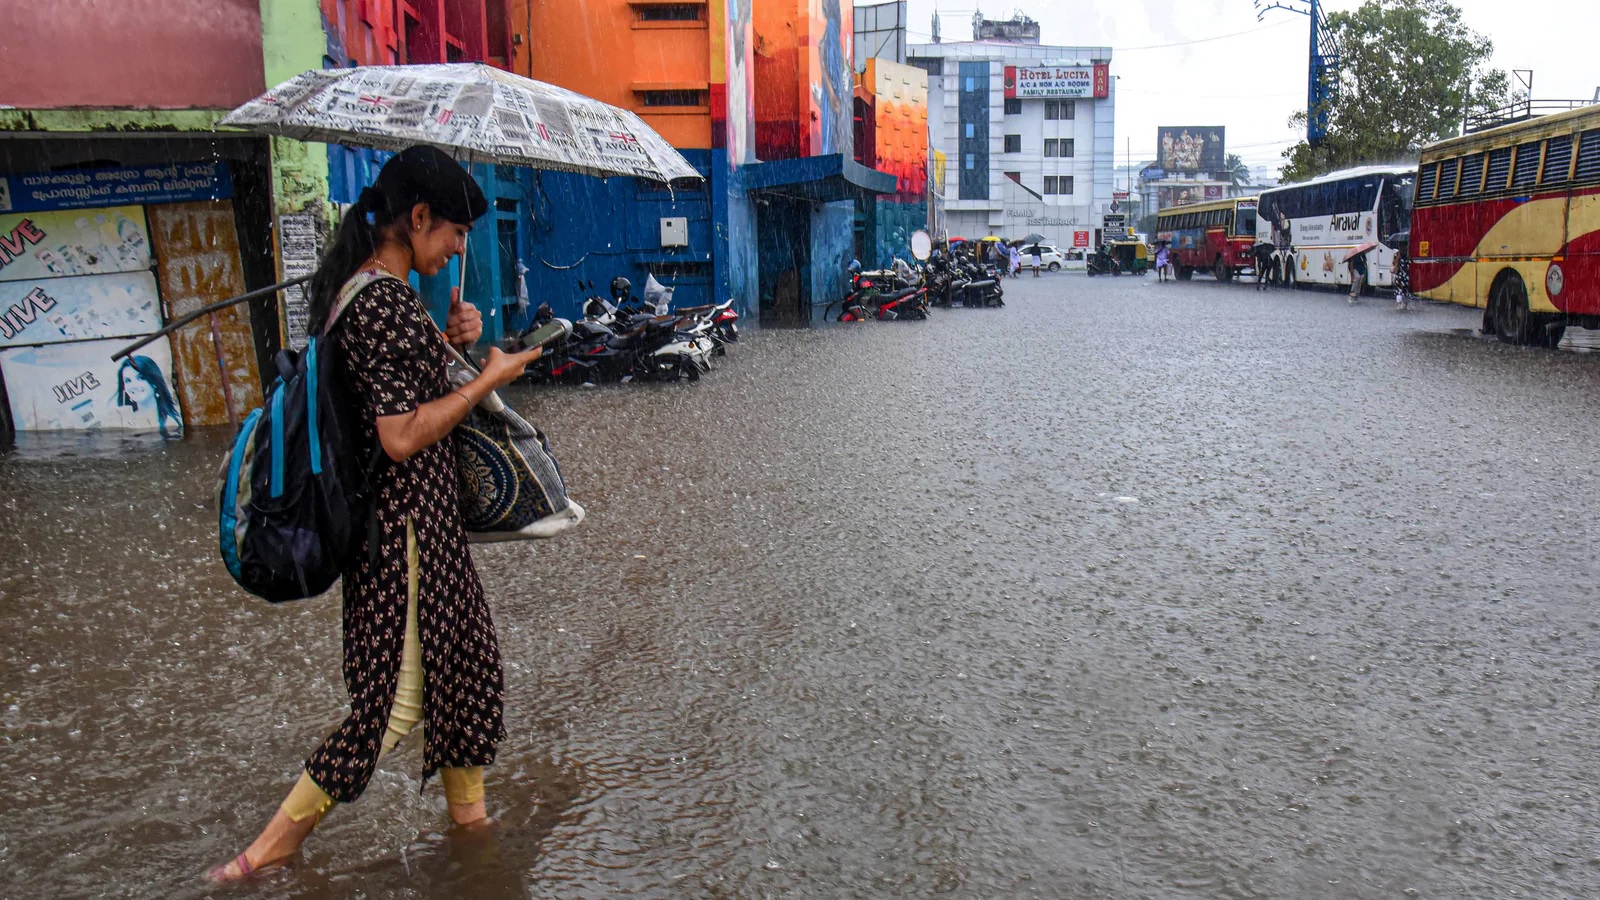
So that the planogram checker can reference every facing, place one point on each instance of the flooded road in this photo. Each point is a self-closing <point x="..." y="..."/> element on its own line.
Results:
<point x="1126" y="590"/>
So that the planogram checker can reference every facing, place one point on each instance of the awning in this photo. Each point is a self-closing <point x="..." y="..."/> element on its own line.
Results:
<point x="821" y="179"/>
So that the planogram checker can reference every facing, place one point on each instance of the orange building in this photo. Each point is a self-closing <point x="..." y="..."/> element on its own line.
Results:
<point x="758" y="97"/>
<point x="654" y="57"/>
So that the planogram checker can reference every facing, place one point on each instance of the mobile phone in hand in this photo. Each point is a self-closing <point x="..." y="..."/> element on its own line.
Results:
<point x="550" y="332"/>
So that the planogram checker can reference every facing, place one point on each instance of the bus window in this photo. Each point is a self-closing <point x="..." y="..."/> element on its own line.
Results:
<point x="1527" y="170"/>
<point x="1427" y="181"/>
<point x="1471" y="175"/>
<point x="1557" y="160"/>
<point x="1588" y="157"/>
<point x="1499" y="169"/>
<point x="1244" y="222"/>
<point x="1447" y="178"/>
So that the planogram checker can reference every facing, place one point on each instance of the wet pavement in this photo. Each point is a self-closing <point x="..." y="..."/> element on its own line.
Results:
<point x="1125" y="590"/>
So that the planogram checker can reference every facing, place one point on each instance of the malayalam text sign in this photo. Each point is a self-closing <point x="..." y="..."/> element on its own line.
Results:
<point x="123" y="186"/>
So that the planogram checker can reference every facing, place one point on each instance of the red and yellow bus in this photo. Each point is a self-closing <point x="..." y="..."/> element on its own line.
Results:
<point x="1508" y="220"/>
<point x="1216" y="235"/>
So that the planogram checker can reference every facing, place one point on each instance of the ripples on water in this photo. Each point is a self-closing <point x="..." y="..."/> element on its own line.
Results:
<point x="1131" y="592"/>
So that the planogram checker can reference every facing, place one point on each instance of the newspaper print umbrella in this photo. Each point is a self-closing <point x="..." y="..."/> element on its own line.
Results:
<point x="474" y="112"/>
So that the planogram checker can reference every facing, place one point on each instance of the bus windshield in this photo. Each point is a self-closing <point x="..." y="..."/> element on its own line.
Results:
<point x="1394" y="213"/>
<point x="1244" y="223"/>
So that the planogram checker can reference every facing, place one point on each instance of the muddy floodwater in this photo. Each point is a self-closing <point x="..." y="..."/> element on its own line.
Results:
<point x="1125" y="590"/>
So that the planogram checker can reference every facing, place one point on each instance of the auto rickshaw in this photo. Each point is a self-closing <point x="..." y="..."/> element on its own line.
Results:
<point x="1132" y="256"/>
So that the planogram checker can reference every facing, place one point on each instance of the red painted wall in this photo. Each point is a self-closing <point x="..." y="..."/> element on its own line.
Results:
<point x="149" y="54"/>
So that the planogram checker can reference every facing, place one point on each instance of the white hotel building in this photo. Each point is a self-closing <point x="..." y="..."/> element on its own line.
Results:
<point x="1038" y="163"/>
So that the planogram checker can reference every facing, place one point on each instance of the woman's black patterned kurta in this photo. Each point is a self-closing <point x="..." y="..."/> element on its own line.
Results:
<point x="395" y="359"/>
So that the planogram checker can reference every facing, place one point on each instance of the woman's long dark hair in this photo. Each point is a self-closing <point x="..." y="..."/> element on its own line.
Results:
<point x="359" y="237"/>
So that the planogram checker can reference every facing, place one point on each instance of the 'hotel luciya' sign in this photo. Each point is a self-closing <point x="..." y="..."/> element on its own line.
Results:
<point x="1023" y="82"/>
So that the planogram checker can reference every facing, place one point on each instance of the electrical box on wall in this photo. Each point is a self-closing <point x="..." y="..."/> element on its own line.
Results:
<point x="675" y="231"/>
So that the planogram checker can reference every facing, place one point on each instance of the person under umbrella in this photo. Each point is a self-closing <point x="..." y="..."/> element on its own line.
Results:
<point x="419" y="645"/>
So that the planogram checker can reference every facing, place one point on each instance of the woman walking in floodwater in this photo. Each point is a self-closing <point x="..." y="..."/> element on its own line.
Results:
<point x="419" y="645"/>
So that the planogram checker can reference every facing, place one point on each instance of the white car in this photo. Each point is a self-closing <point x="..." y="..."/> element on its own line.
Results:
<point x="1049" y="257"/>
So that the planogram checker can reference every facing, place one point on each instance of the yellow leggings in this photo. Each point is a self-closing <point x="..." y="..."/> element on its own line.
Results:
<point x="461" y="786"/>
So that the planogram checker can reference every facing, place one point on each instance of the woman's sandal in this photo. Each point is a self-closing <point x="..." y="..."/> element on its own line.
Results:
<point x="247" y="872"/>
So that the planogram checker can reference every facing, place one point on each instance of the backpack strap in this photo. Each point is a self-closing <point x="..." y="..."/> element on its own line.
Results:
<point x="360" y="281"/>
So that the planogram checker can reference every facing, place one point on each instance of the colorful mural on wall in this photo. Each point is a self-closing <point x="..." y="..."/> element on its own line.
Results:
<point x="899" y="97"/>
<point x="831" y="73"/>
<point x="803" y="76"/>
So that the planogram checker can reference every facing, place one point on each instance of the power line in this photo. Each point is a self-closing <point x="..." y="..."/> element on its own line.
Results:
<point x="1204" y="40"/>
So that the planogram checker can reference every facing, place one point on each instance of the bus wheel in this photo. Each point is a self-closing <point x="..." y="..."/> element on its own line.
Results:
<point x="1185" y="273"/>
<point x="1221" y="270"/>
<point x="1513" y="323"/>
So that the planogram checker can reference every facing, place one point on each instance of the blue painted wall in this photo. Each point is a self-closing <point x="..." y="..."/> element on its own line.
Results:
<point x="592" y="229"/>
<point x="892" y="226"/>
<point x="832" y="247"/>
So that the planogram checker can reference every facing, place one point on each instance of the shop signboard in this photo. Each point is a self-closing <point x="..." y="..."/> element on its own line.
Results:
<point x="77" y="386"/>
<point x="124" y="186"/>
<point x="64" y="243"/>
<point x="1080" y="239"/>
<point x="1050" y="82"/>
<point x="57" y="310"/>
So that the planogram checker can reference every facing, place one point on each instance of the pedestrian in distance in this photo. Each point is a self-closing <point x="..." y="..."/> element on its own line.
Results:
<point x="1016" y="260"/>
<point x="1358" y="275"/>
<point x="419" y="645"/>
<point x="1038" y="259"/>
<point x="1163" y="257"/>
<point x="1266" y="265"/>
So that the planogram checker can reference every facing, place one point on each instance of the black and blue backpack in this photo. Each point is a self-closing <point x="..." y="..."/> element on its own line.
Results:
<point x="295" y="492"/>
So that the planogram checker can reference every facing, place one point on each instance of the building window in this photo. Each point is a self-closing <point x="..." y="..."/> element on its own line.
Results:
<point x="1013" y="143"/>
<point x="1013" y="106"/>
<point x="673" y="98"/>
<point x="933" y="65"/>
<point x="972" y="130"/>
<point x="1060" y="109"/>
<point x="670" y="12"/>
<point x="1062" y="147"/>
<point x="970" y="84"/>
<point x="1058" y="184"/>
<point x="971" y="161"/>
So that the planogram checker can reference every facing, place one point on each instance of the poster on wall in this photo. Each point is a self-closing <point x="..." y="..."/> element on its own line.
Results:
<point x="77" y="386"/>
<point x="54" y="310"/>
<point x="66" y="243"/>
<point x="1192" y="149"/>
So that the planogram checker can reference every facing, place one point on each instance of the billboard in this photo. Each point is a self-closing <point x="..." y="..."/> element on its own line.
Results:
<point x="1039" y="82"/>
<point x="1192" y="149"/>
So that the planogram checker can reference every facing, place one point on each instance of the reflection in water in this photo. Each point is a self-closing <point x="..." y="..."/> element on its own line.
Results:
<point x="866" y="613"/>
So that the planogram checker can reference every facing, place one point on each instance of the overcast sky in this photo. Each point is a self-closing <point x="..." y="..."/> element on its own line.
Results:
<point x="1228" y="69"/>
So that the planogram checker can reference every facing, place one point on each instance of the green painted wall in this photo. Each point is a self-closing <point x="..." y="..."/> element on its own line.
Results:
<point x="293" y="41"/>
<point x="110" y="120"/>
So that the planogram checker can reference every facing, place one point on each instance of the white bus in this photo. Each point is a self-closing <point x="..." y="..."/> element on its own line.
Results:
<point x="1332" y="215"/>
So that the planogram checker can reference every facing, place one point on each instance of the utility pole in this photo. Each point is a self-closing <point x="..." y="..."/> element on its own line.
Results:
<point x="1322" y="82"/>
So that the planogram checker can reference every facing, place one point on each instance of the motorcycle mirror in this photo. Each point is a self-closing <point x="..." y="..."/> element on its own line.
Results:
<point x="921" y="245"/>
